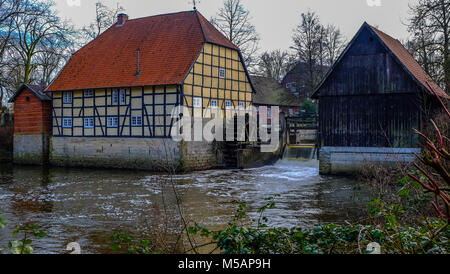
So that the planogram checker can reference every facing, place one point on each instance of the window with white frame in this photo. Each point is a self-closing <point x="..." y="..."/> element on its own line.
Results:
<point x="228" y="104"/>
<point x="67" y="122"/>
<point x="136" y="121"/>
<point x="222" y="73"/>
<point x="214" y="103"/>
<point x="123" y="97"/>
<point x="115" y="97"/>
<point x="88" y="122"/>
<point x="67" y="97"/>
<point x="113" y="121"/>
<point x="241" y="105"/>
<point x="197" y="102"/>
<point x="89" y="93"/>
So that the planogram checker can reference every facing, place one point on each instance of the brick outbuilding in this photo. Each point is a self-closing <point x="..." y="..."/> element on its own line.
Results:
<point x="32" y="125"/>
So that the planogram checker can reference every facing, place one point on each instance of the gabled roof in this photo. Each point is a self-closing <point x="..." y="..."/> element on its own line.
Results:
<point x="168" y="46"/>
<point x="212" y="35"/>
<point x="35" y="89"/>
<point x="270" y="92"/>
<point x="404" y="58"/>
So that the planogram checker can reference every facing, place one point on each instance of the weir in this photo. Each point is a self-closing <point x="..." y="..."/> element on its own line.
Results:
<point x="302" y="137"/>
<point x="304" y="152"/>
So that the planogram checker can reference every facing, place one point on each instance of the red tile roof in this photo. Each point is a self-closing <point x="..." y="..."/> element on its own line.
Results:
<point x="213" y="35"/>
<point x="37" y="90"/>
<point x="168" y="45"/>
<point x="410" y="63"/>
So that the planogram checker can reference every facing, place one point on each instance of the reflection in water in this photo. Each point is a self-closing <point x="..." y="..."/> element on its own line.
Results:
<point x="86" y="206"/>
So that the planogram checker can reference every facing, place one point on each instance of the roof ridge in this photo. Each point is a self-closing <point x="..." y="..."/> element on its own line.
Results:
<point x="399" y="53"/>
<point x="162" y="61"/>
<point x="201" y="26"/>
<point x="405" y="57"/>
<point x="158" y="15"/>
<point x="384" y="33"/>
<point x="208" y="30"/>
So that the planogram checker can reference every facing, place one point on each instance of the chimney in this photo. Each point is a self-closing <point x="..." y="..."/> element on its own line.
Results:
<point x="121" y="19"/>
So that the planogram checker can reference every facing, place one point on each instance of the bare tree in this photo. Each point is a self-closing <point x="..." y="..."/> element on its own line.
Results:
<point x="430" y="26"/>
<point x="105" y="17"/>
<point x="422" y="46"/>
<point x="317" y="46"/>
<point x="233" y="20"/>
<point x="274" y="64"/>
<point x="307" y="45"/>
<point x="52" y="56"/>
<point x="34" y="33"/>
<point x="334" y="44"/>
<point x="8" y="10"/>
<point x="12" y="72"/>
<point x="38" y="45"/>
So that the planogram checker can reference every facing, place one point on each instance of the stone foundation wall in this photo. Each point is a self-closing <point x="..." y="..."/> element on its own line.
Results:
<point x="132" y="153"/>
<point x="201" y="156"/>
<point x="126" y="153"/>
<point x="31" y="149"/>
<point x="348" y="160"/>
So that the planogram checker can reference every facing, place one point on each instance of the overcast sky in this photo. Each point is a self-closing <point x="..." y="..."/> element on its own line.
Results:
<point x="274" y="19"/>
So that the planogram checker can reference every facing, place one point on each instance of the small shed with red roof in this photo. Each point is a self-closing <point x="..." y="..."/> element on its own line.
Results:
<point x="32" y="124"/>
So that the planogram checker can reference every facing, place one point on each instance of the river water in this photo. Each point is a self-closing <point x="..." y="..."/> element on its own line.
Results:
<point x="87" y="206"/>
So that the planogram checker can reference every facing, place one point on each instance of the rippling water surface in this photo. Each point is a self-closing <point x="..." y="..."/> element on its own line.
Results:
<point x="87" y="205"/>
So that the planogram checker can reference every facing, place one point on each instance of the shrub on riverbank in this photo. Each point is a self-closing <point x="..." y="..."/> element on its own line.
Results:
<point x="394" y="186"/>
<point x="431" y="237"/>
<point x="27" y="233"/>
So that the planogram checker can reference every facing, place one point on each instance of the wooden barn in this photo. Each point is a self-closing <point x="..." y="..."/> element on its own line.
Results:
<point x="369" y="103"/>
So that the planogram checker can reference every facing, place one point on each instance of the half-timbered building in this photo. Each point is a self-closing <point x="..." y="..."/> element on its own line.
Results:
<point x="112" y="103"/>
<point x="126" y="82"/>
